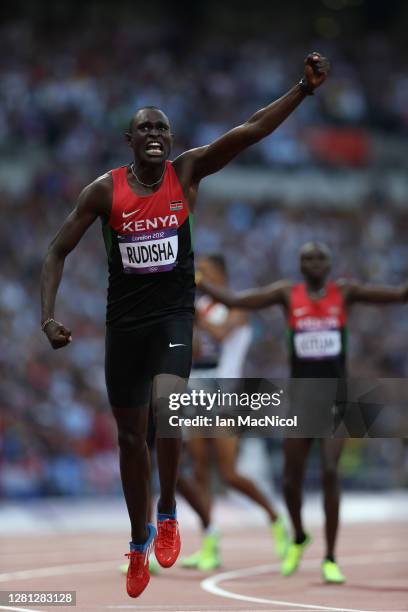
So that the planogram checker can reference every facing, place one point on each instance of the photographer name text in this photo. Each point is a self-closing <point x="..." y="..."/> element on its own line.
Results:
<point x="238" y="421"/>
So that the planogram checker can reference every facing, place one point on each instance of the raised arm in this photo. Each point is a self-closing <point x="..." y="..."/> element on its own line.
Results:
<point x="355" y="292"/>
<point x="206" y="160"/>
<point x="92" y="202"/>
<point x="251" y="299"/>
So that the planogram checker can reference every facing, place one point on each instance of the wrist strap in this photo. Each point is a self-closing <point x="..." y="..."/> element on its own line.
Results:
<point x="44" y="325"/>
<point x="305" y="87"/>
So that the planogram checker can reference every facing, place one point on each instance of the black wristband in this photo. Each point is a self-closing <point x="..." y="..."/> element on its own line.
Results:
<point x="305" y="87"/>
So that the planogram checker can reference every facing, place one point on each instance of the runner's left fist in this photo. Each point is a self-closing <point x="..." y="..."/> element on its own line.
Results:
<point x="316" y="69"/>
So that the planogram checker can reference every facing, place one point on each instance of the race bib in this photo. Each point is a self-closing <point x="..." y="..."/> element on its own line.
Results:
<point x="149" y="252"/>
<point x="318" y="344"/>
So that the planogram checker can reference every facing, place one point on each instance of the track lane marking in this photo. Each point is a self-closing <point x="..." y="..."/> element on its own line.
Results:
<point x="58" y="570"/>
<point x="18" y="609"/>
<point x="210" y="584"/>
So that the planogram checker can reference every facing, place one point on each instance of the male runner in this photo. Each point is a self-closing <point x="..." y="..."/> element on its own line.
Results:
<point x="145" y="210"/>
<point x="316" y="311"/>
<point x="223" y="339"/>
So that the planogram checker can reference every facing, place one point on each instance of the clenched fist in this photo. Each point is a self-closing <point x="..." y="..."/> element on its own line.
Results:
<point x="316" y="69"/>
<point x="57" y="334"/>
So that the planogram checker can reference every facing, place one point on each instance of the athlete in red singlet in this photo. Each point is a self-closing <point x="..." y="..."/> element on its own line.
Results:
<point x="316" y="314"/>
<point x="145" y="208"/>
<point x="317" y="332"/>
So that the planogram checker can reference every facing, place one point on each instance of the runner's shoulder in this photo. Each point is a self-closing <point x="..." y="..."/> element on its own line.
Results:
<point x="101" y="186"/>
<point x="285" y="287"/>
<point x="97" y="196"/>
<point x="184" y="163"/>
<point x="346" y="286"/>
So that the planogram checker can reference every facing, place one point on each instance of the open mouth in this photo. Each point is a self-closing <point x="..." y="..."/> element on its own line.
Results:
<point x="154" y="148"/>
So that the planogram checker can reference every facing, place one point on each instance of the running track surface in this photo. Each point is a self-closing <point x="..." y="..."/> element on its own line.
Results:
<point x="374" y="557"/>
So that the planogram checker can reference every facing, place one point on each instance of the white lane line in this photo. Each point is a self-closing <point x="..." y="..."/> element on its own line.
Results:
<point x="18" y="609"/>
<point x="59" y="570"/>
<point x="187" y="608"/>
<point x="204" y="608"/>
<point x="211" y="609"/>
<point x="50" y="556"/>
<point x="211" y="584"/>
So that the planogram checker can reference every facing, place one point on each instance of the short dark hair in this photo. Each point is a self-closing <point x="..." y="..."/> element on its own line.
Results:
<point x="142" y="108"/>
<point x="315" y="244"/>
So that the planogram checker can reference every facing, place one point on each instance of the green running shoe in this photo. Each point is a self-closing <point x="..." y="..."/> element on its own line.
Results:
<point x="208" y="557"/>
<point x="280" y="537"/>
<point x="124" y="568"/>
<point x="192" y="561"/>
<point x="293" y="557"/>
<point x="210" y="553"/>
<point x="153" y="567"/>
<point x="331" y="572"/>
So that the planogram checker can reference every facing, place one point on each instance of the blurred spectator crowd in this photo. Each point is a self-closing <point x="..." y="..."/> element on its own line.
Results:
<point x="64" y="101"/>
<point x="56" y="432"/>
<point x="66" y="94"/>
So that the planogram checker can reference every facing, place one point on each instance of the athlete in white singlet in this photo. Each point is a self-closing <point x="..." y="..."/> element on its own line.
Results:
<point x="221" y="341"/>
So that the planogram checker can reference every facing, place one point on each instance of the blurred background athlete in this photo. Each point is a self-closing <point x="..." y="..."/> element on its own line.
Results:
<point x="221" y="342"/>
<point x="145" y="209"/>
<point x="316" y="313"/>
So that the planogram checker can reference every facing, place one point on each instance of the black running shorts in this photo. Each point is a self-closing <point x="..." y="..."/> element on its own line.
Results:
<point x="133" y="358"/>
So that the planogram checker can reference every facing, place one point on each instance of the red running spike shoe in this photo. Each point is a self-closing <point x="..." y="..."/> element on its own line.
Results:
<point x="138" y="575"/>
<point x="168" y="543"/>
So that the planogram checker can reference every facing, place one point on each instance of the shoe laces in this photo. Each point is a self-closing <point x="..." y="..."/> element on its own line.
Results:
<point x="139" y="559"/>
<point x="168" y="532"/>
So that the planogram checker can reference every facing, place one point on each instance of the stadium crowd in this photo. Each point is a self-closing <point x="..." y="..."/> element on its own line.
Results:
<point x="64" y="101"/>
<point x="57" y="433"/>
<point x="65" y="94"/>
